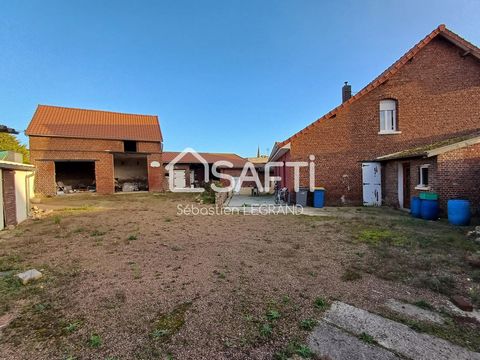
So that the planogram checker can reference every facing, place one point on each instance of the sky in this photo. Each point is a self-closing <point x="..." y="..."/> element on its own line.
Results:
<point x="222" y="75"/>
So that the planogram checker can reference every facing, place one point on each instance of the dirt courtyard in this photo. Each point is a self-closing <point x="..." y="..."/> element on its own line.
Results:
<point x="126" y="277"/>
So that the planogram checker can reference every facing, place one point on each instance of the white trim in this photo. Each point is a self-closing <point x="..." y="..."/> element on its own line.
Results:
<point x="389" y="132"/>
<point x="421" y="185"/>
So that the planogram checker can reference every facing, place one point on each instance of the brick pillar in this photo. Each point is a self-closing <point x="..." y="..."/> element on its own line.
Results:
<point x="156" y="175"/>
<point x="9" y="200"/>
<point x="45" y="178"/>
<point x="104" y="175"/>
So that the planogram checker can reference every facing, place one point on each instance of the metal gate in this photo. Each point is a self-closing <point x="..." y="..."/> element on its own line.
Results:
<point x="372" y="184"/>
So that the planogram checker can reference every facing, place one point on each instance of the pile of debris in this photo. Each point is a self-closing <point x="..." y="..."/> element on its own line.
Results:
<point x="38" y="213"/>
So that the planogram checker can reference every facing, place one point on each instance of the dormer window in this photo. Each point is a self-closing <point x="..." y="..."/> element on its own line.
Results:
<point x="388" y="117"/>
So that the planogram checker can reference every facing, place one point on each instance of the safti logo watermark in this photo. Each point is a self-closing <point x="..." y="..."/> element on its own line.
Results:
<point x="249" y="173"/>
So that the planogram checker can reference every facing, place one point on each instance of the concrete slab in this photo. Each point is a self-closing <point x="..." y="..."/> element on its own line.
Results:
<point x="29" y="275"/>
<point x="414" y="312"/>
<point x="332" y="343"/>
<point x="245" y="200"/>
<point x="395" y="336"/>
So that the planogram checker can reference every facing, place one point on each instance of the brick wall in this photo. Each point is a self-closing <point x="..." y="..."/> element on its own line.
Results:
<point x="436" y="100"/>
<point x="44" y="151"/>
<point x="390" y="179"/>
<point x="9" y="201"/>
<point x="459" y="176"/>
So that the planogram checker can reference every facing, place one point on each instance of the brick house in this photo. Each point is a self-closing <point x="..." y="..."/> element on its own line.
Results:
<point x="429" y="96"/>
<point x="92" y="150"/>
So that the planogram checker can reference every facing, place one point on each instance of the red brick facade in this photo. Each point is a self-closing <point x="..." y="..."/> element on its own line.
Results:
<point x="437" y="94"/>
<point x="45" y="150"/>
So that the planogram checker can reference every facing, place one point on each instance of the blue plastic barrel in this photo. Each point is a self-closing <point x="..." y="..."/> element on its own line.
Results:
<point x="429" y="209"/>
<point x="416" y="207"/>
<point x="319" y="198"/>
<point x="458" y="212"/>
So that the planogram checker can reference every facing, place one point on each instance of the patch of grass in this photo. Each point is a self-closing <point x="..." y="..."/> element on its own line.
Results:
<point x="220" y="274"/>
<point x="308" y="324"/>
<point x="273" y="315"/>
<point x="132" y="237"/>
<point x="56" y="219"/>
<point x="168" y="220"/>
<point x="72" y="327"/>
<point x="320" y="303"/>
<point x="170" y="323"/>
<point x="476" y="276"/>
<point x="266" y="330"/>
<point x="475" y="297"/>
<point x="424" y="305"/>
<point x="443" y="284"/>
<point x="351" y="275"/>
<point x="11" y="288"/>
<point x="78" y="230"/>
<point x="96" y="232"/>
<point x="94" y="341"/>
<point x="294" y="348"/>
<point x="367" y="338"/>
<point x="10" y="262"/>
<point x="455" y="330"/>
<point x="375" y="237"/>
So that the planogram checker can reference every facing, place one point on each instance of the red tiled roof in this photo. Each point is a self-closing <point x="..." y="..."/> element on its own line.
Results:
<point x="441" y="30"/>
<point x="81" y="123"/>
<point x="189" y="158"/>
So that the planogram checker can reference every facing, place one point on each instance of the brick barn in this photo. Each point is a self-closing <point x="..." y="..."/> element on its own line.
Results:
<point x="77" y="150"/>
<point x="426" y="100"/>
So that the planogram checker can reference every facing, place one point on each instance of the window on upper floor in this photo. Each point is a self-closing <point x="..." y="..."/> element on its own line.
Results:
<point x="388" y="117"/>
<point x="129" y="146"/>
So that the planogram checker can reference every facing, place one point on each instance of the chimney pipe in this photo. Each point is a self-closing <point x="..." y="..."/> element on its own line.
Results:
<point x="346" y="92"/>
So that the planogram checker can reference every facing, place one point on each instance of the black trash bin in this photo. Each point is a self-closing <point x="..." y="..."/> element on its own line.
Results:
<point x="301" y="197"/>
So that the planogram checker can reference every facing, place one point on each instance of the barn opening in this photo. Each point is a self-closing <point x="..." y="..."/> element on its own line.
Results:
<point x="74" y="176"/>
<point x="130" y="172"/>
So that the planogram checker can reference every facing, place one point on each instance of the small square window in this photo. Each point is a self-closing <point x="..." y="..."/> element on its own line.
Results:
<point x="129" y="146"/>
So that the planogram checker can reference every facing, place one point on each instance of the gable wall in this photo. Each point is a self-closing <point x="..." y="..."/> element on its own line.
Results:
<point x="438" y="93"/>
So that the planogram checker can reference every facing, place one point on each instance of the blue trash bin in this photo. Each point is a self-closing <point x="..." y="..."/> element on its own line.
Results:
<point x="319" y="198"/>
<point x="415" y="207"/>
<point x="458" y="212"/>
<point x="429" y="209"/>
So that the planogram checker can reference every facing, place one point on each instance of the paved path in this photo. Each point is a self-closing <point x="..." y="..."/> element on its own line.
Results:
<point x="337" y="337"/>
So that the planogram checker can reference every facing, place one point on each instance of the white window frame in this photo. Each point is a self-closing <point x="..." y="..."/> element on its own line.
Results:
<point x="421" y="185"/>
<point x="388" y="117"/>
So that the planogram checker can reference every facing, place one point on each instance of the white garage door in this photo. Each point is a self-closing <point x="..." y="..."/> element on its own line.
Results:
<point x="179" y="179"/>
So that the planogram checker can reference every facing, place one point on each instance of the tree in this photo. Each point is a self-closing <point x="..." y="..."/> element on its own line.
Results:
<point x="10" y="142"/>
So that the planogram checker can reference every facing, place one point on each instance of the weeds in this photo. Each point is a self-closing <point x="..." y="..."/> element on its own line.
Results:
<point x="266" y="330"/>
<point x="294" y="348"/>
<point x="366" y="338"/>
<point x="320" y="303"/>
<point x="308" y="324"/>
<point x="132" y="237"/>
<point x="170" y="323"/>
<point x="423" y="305"/>
<point x="95" y="341"/>
<point x="96" y="232"/>
<point x="273" y="315"/>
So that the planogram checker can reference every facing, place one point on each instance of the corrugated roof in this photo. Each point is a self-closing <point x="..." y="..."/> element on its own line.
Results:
<point x="96" y="124"/>
<point x="441" y="30"/>
<point x="434" y="149"/>
<point x="189" y="158"/>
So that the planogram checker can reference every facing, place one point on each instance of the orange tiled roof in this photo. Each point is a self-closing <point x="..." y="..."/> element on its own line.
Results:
<point x="441" y="30"/>
<point x="189" y="158"/>
<point x="81" y="123"/>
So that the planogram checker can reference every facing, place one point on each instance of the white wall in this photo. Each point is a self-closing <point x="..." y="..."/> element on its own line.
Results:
<point x="23" y="193"/>
<point x="125" y="169"/>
